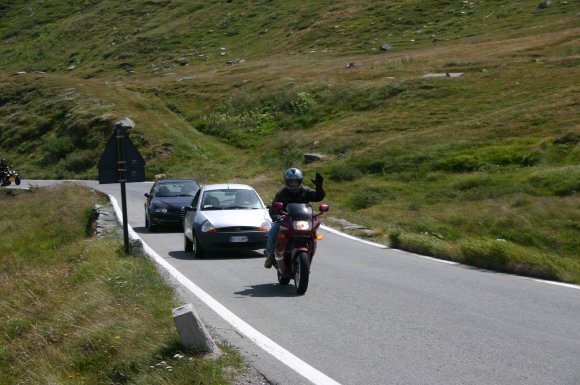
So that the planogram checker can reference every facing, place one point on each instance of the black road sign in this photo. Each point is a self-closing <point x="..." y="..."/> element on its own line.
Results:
<point x="121" y="161"/>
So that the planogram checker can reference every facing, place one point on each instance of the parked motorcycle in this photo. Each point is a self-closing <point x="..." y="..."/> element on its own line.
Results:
<point x="9" y="176"/>
<point x="296" y="243"/>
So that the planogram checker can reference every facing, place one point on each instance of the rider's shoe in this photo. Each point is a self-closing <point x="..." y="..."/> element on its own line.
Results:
<point x="269" y="261"/>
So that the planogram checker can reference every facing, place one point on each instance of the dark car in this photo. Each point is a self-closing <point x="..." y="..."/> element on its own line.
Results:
<point x="165" y="200"/>
<point x="225" y="217"/>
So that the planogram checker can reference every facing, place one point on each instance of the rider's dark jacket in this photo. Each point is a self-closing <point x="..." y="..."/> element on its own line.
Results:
<point x="303" y="195"/>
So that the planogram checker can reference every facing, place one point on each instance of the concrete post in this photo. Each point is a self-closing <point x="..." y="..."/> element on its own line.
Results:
<point x="193" y="333"/>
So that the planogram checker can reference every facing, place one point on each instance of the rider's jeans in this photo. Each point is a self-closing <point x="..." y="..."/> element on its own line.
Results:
<point x="272" y="237"/>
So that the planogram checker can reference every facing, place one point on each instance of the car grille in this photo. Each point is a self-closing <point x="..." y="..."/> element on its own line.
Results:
<point x="182" y="214"/>
<point x="238" y="229"/>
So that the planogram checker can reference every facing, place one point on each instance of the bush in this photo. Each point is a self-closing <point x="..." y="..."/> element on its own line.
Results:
<point x="344" y="173"/>
<point x="363" y="200"/>
<point x="79" y="161"/>
<point x="563" y="181"/>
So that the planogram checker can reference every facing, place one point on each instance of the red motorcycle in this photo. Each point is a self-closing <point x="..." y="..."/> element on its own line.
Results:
<point x="296" y="243"/>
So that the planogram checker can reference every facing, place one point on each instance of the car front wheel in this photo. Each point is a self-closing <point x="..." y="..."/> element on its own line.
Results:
<point x="187" y="244"/>
<point x="199" y="251"/>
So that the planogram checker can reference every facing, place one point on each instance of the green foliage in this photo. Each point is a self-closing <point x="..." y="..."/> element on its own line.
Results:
<point x="344" y="172"/>
<point x="246" y="122"/>
<point x="563" y="181"/>
<point x="364" y="200"/>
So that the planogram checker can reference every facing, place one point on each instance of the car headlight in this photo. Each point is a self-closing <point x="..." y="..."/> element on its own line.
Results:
<point x="265" y="226"/>
<point x="208" y="227"/>
<point x="161" y="210"/>
<point x="302" y="225"/>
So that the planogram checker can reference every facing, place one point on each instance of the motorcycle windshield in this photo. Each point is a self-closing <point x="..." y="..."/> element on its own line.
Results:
<point x="299" y="210"/>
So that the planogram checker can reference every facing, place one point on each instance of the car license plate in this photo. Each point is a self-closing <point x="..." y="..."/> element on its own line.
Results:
<point x="238" y="238"/>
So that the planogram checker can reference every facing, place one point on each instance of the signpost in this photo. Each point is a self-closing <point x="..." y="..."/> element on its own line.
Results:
<point x="122" y="163"/>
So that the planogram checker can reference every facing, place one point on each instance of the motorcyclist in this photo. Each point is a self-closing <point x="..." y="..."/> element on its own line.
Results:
<point x="292" y="192"/>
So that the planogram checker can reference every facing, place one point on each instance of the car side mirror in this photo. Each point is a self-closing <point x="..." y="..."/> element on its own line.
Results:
<point x="324" y="208"/>
<point x="147" y="195"/>
<point x="188" y="208"/>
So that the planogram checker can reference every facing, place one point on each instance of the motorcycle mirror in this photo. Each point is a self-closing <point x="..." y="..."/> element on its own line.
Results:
<point x="278" y="206"/>
<point x="324" y="208"/>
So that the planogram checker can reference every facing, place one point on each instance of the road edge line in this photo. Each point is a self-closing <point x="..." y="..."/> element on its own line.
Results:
<point x="268" y="345"/>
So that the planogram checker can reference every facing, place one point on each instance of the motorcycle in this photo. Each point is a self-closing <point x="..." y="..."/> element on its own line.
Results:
<point x="296" y="243"/>
<point x="9" y="176"/>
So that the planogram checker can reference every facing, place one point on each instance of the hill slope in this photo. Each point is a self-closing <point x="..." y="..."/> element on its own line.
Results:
<point x="481" y="166"/>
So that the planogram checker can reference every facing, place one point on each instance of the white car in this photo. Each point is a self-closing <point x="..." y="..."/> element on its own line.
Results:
<point x="225" y="217"/>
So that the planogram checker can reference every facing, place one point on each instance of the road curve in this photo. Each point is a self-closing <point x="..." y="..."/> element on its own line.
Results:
<point x="379" y="316"/>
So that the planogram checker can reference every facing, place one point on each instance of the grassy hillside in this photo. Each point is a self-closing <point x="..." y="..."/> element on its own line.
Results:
<point x="77" y="310"/>
<point x="481" y="168"/>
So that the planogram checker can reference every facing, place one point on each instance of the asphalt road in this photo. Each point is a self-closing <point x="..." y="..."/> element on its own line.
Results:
<point x="379" y="316"/>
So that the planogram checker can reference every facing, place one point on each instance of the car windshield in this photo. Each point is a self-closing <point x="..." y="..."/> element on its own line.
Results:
<point x="231" y="199"/>
<point x="176" y="189"/>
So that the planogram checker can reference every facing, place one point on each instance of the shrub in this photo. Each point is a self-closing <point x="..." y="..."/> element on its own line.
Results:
<point x="365" y="199"/>
<point x="560" y="181"/>
<point x="344" y="173"/>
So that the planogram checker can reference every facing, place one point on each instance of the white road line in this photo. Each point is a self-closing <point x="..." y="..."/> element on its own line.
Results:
<point x="305" y="370"/>
<point x="381" y="246"/>
<point x="331" y="230"/>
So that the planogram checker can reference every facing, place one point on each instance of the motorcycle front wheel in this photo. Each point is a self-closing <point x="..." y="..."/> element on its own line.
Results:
<point x="282" y="280"/>
<point x="302" y="271"/>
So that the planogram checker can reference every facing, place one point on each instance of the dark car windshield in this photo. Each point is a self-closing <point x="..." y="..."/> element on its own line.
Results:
<point x="176" y="189"/>
<point x="231" y="199"/>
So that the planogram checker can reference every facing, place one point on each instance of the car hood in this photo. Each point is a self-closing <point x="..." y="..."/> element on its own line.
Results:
<point x="177" y="202"/>
<point x="228" y="218"/>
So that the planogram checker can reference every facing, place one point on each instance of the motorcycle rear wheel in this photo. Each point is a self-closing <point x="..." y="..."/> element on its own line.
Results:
<point x="302" y="271"/>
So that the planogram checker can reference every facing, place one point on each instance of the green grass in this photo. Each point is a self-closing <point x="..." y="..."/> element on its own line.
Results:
<point x="490" y="155"/>
<point x="75" y="309"/>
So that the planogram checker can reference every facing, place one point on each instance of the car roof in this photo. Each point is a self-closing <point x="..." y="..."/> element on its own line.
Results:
<point x="227" y="186"/>
<point x="161" y="181"/>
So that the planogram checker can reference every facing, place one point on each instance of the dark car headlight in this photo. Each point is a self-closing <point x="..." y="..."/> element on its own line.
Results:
<point x="160" y="210"/>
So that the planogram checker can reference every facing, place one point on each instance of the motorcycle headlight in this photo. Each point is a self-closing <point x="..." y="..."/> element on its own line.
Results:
<point x="161" y="210"/>
<point x="302" y="225"/>
<point x="208" y="227"/>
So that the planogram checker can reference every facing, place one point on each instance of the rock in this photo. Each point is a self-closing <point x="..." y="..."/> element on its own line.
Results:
<point x="126" y="122"/>
<point x="544" y="4"/>
<point x="126" y="66"/>
<point x="350" y="65"/>
<point x="386" y="47"/>
<point x="235" y="62"/>
<point x="444" y="74"/>
<point x="309" y="158"/>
